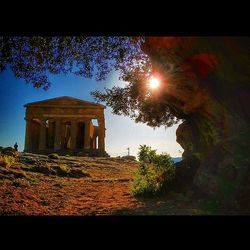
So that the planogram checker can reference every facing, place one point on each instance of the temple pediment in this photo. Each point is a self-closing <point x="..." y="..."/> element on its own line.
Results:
<point x="65" y="101"/>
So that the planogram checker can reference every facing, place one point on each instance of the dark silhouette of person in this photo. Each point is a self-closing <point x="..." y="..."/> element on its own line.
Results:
<point x="16" y="146"/>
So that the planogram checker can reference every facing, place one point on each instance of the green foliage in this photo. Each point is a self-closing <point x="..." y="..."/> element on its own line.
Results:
<point x="146" y="154"/>
<point x="132" y="101"/>
<point x="7" y="160"/>
<point x="53" y="156"/>
<point x="177" y="59"/>
<point x="154" y="174"/>
<point x="61" y="170"/>
<point x="32" y="58"/>
<point x="64" y="168"/>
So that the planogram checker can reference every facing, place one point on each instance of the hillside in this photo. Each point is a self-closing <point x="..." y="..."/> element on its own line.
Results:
<point x="37" y="185"/>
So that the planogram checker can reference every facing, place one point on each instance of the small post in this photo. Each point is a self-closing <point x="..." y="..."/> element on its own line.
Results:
<point x="128" y="151"/>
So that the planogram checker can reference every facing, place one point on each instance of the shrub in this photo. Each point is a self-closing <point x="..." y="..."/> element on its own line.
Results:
<point x="6" y="161"/>
<point x="62" y="169"/>
<point x="53" y="156"/>
<point x="155" y="172"/>
<point x="146" y="154"/>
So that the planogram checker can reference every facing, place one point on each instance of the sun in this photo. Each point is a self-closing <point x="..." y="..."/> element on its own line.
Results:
<point x="154" y="83"/>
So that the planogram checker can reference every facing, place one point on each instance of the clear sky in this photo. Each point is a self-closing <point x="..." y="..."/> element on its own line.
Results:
<point x="121" y="133"/>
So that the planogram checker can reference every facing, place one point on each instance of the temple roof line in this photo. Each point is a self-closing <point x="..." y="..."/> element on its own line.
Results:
<point x="59" y="101"/>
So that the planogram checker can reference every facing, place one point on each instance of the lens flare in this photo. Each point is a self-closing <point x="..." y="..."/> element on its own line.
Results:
<point x="154" y="83"/>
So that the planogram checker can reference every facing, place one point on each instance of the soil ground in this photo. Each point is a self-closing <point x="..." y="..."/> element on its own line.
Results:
<point x="106" y="191"/>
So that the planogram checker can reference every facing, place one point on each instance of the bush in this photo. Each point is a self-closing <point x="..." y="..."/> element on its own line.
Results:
<point x="146" y="154"/>
<point x="61" y="170"/>
<point x="6" y="161"/>
<point x="53" y="156"/>
<point x="155" y="172"/>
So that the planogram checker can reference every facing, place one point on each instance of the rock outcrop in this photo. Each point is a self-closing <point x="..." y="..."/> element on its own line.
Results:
<point x="211" y="94"/>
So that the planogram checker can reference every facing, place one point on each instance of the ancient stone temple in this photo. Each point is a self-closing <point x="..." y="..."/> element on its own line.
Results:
<point x="65" y="125"/>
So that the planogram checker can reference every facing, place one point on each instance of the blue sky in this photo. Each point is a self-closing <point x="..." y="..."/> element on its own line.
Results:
<point x="121" y="133"/>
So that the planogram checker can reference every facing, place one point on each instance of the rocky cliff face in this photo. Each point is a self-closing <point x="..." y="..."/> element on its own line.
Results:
<point x="211" y="93"/>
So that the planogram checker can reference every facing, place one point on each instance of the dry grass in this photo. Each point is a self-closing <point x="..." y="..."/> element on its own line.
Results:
<point x="103" y="189"/>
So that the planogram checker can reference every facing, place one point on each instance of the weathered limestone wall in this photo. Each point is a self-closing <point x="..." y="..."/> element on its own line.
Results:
<point x="54" y="126"/>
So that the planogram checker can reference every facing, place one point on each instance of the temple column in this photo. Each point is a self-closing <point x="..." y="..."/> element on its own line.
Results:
<point x="28" y="145"/>
<point x="87" y="135"/>
<point x="57" y="140"/>
<point x="63" y="130"/>
<point x="42" y="136"/>
<point x="94" y="142"/>
<point x="101" y="134"/>
<point x="73" y="132"/>
<point x="50" y="134"/>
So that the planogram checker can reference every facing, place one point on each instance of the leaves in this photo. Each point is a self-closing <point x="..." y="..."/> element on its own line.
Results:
<point x="182" y="63"/>
<point x="155" y="172"/>
<point x="33" y="58"/>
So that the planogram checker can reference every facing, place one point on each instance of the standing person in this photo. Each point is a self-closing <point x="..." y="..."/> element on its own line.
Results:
<point x="16" y="146"/>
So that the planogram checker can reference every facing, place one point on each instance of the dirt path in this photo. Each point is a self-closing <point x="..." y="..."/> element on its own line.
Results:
<point x="105" y="192"/>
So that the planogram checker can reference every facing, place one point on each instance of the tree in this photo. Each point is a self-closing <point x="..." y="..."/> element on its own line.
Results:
<point x="182" y="63"/>
<point x="205" y="81"/>
<point x="33" y="58"/>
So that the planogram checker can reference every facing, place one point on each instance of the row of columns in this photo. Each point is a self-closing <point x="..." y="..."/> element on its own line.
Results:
<point x="57" y="138"/>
